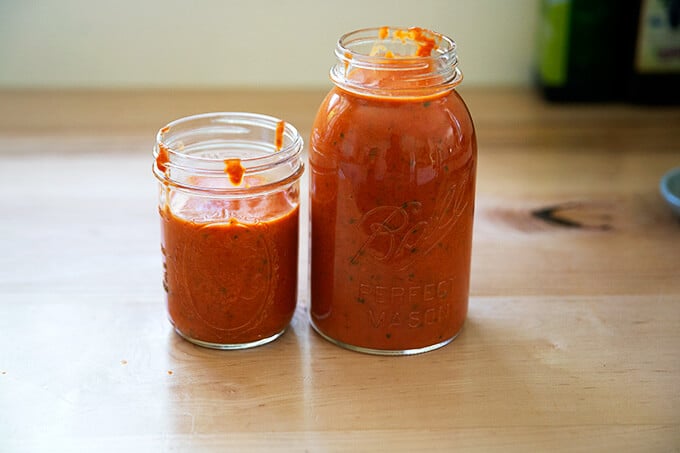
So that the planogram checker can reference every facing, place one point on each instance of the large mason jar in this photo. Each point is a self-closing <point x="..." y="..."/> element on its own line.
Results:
<point x="393" y="157"/>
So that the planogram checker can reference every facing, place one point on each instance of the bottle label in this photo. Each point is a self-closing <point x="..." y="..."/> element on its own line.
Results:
<point x="658" y="43"/>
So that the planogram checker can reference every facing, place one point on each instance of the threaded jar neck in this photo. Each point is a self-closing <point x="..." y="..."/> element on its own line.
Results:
<point x="195" y="153"/>
<point x="396" y="62"/>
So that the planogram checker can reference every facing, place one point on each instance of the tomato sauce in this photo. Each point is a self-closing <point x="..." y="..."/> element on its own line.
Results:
<point x="278" y="135"/>
<point x="392" y="202"/>
<point x="235" y="170"/>
<point x="162" y="158"/>
<point x="231" y="282"/>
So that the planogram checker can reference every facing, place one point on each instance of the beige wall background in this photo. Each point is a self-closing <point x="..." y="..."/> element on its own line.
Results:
<point x="262" y="43"/>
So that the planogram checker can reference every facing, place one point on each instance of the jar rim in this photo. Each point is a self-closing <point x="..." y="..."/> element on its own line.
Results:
<point x="170" y="140"/>
<point x="435" y="72"/>
<point x="444" y="45"/>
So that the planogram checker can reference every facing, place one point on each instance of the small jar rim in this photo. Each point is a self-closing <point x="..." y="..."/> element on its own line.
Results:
<point x="177" y="159"/>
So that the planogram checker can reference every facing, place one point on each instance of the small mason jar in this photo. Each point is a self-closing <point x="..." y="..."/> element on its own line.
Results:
<point x="229" y="207"/>
<point x="393" y="157"/>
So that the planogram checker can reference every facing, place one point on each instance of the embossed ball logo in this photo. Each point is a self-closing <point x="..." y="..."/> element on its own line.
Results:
<point x="233" y="272"/>
<point x="399" y="235"/>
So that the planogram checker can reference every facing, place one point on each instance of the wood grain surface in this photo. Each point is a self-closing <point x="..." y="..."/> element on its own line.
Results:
<point x="572" y="341"/>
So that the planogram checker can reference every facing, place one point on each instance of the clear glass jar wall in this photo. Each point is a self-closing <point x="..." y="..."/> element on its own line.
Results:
<point x="229" y="207"/>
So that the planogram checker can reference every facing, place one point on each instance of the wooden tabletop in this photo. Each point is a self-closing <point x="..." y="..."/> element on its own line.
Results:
<point x="572" y="341"/>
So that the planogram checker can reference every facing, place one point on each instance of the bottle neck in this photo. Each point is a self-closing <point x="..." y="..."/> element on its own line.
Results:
<point x="396" y="63"/>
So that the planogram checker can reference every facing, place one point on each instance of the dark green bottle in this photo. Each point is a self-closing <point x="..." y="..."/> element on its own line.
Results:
<point x="586" y="48"/>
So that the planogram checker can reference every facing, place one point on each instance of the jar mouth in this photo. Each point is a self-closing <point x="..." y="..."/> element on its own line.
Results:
<point x="192" y="152"/>
<point x="396" y="61"/>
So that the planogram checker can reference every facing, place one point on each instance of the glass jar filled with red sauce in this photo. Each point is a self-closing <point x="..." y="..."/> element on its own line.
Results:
<point x="229" y="206"/>
<point x="393" y="157"/>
